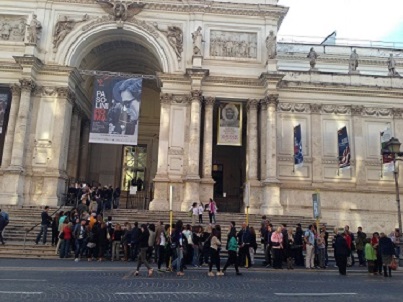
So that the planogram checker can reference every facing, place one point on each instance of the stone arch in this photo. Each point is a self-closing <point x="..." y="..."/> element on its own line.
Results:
<point x="84" y="38"/>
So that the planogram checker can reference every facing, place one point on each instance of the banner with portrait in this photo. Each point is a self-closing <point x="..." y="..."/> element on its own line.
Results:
<point x="229" y="124"/>
<point x="298" y="155"/>
<point x="387" y="159"/>
<point x="4" y="102"/>
<point x="116" y="110"/>
<point x="344" y="157"/>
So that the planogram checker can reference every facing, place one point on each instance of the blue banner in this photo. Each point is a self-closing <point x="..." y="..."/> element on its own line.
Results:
<point x="298" y="155"/>
<point x="344" y="148"/>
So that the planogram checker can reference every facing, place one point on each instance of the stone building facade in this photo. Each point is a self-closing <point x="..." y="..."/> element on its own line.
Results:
<point x="203" y="53"/>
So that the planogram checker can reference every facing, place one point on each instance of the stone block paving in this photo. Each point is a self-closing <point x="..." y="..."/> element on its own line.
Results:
<point x="43" y="281"/>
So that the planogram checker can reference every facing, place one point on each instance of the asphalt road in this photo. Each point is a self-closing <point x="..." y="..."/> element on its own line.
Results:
<point x="47" y="280"/>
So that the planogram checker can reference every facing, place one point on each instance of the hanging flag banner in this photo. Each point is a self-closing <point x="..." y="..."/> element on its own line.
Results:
<point x="116" y="110"/>
<point x="230" y="124"/>
<point x="387" y="160"/>
<point x="344" y="149"/>
<point x="298" y="155"/>
<point x="4" y="99"/>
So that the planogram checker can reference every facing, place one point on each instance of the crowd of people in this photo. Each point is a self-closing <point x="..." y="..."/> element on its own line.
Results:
<point x="86" y="233"/>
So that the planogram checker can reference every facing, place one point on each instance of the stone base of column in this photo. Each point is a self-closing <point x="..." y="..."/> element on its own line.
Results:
<point x="271" y="199"/>
<point x="13" y="184"/>
<point x="206" y="189"/>
<point x="161" y="194"/>
<point x="255" y="197"/>
<point x="52" y="193"/>
<point x="191" y="195"/>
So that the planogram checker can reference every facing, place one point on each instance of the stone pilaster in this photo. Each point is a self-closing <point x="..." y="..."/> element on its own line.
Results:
<point x="271" y="192"/>
<point x="84" y="151"/>
<point x="207" y="182"/>
<point x="192" y="184"/>
<point x="359" y="143"/>
<point x="8" y="144"/>
<point x="161" y="194"/>
<point x="263" y="127"/>
<point x="73" y="143"/>
<point x="317" y="143"/>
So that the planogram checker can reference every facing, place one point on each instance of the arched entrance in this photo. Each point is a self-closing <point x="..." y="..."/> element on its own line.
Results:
<point x="128" y="52"/>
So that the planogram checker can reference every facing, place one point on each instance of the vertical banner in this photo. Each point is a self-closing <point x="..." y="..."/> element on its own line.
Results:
<point x="344" y="157"/>
<point x="4" y="99"/>
<point x="298" y="155"/>
<point x="387" y="160"/>
<point x="116" y="110"/>
<point x="230" y="124"/>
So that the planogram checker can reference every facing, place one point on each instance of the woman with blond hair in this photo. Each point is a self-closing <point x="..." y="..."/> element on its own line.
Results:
<point x="277" y="247"/>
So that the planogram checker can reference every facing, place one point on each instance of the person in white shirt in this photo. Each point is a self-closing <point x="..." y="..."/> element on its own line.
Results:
<point x="201" y="210"/>
<point x="195" y="213"/>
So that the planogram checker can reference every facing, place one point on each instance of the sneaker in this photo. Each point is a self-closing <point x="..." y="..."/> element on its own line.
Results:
<point x="220" y="274"/>
<point x="76" y="260"/>
<point x="210" y="274"/>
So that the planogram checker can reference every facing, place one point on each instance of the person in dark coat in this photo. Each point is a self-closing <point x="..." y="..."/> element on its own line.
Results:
<point x="341" y="252"/>
<point x="244" y="243"/>
<point x="387" y="249"/>
<point x="144" y="235"/>
<point x="135" y="233"/>
<point x="299" y="257"/>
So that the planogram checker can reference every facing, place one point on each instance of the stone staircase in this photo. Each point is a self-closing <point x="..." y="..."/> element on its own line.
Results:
<point x="23" y="219"/>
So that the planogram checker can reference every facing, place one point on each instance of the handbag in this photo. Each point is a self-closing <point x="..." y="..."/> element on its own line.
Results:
<point x="393" y="264"/>
<point x="61" y="235"/>
<point x="91" y="245"/>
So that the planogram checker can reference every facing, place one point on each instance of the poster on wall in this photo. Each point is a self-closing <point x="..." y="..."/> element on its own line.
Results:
<point x="344" y="149"/>
<point x="3" y="108"/>
<point x="116" y="110"/>
<point x="229" y="124"/>
<point x="387" y="160"/>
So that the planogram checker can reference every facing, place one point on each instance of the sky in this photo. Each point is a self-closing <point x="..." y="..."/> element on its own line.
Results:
<point x="371" y="20"/>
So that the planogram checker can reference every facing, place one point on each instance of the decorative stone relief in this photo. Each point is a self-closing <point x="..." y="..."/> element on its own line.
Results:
<point x="121" y="10"/>
<point x="316" y="108"/>
<point x="233" y="44"/>
<point x="392" y="66"/>
<point x="357" y="110"/>
<point x="176" y="151"/>
<point x="252" y="104"/>
<point x="196" y="95"/>
<point x="15" y="89"/>
<point x="45" y="91"/>
<point x="290" y="159"/>
<point x="63" y="28"/>
<point x="336" y="109"/>
<point x="353" y="62"/>
<point x="12" y="28"/>
<point x="291" y="107"/>
<point x="209" y="101"/>
<point x="27" y="85"/>
<point x="397" y="112"/>
<point x="174" y="35"/>
<point x="271" y="100"/>
<point x="312" y="56"/>
<point x="377" y="112"/>
<point x="166" y="98"/>
<point x="180" y="99"/>
<point x="197" y="38"/>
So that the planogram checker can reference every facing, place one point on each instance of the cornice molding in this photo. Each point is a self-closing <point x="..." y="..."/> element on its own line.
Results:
<point x="294" y="108"/>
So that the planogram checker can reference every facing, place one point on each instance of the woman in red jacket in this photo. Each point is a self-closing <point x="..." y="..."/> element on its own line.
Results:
<point x="66" y="231"/>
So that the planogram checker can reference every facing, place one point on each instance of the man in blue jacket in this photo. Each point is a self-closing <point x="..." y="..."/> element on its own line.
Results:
<point x="46" y="220"/>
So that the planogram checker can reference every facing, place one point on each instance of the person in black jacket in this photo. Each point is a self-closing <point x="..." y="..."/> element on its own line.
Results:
<point x="134" y="243"/>
<point x="45" y="222"/>
<point x="244" y="243"/>
<point x="268" y="245"/>
<point x="341" y="252"/>
<point x="298" y="242"/>
<point x="143" y="245"/>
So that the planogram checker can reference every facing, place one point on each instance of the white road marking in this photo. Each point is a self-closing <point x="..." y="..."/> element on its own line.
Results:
<point x="314" y="294"/>
<point x="163" y="293"/>
<point x="21" y="293"/>
<point x="24" y="280"/>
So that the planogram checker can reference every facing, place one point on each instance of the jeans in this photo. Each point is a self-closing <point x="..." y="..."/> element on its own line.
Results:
<point x="322" y="257"/>
<point x="212" y="217"/>
<point x="195" y="261"/>
<point x="361" y="259"/>
<point x="178" y="262"/>
<point x="65" y="249"/>
<point x="397" y="249"/>
<point x="115" y="250"/>
<point x="143" y="259"/>
<point x="80" y="247"/>
<point x="44" y="231"/>
<point x="161" y="256"/>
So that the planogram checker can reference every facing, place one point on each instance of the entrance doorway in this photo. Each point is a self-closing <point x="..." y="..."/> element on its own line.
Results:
<point x="229" y="170"/>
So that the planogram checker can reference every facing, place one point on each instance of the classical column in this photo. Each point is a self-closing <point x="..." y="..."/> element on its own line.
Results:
<point x="317" y="143"/>
<point x="8" y="144"/>
<point x="359" y="144"/>
<point x="77" y="145"/>
<point x="271" y="193"/>
<point x="207" y="182"/>
<point x="208" y="138"/>
<point x="160" y="201"/>
<point x="72" y="143"/>
<point x="263" y="114"/>
<point x="22" y="125"/>
<point x="193" y="177"/>
<point x="252" y="142"/>
<point x="84" y="151"/>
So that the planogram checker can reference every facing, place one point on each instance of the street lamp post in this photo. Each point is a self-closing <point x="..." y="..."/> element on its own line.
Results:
<point x="393" y="152"/>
